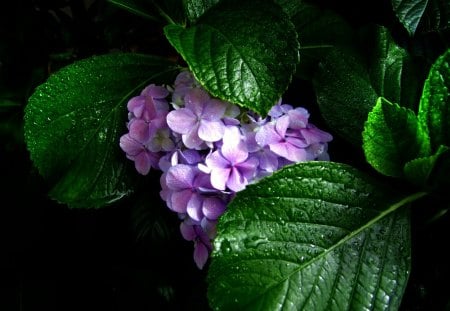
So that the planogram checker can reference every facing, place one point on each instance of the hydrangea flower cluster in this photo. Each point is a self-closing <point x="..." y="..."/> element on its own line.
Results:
<point x="208" y="150"/>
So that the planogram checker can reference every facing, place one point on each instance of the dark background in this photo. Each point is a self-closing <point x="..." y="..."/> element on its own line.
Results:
<point x="129" y="256"/>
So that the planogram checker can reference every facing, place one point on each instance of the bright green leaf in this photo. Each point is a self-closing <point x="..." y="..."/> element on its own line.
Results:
<point x="314" y="236"/>
<point x="196" y="8"/>
<point x="434" y="108"/>
<point x="393" y="136"/>
<point x="418" y="170"/>
<point x="232" y="52"/>
<point x="73" y="123"/>
<point x="409" y="12"/>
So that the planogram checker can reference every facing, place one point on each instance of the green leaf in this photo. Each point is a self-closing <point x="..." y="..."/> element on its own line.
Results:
<point x="231" y="50"/>
<point x="434" y="108"/>
<point x="73" y="123"/>
<point x="196" y="8"/>
<point x="314" y="236"/>
<point x="349" y="81"/>
<point x="418" y="171"/>
<point x="423" y="16"/>
<point x="320" y="31"/>
<point x="393" y="136"/>
<point x="409" y="12"/>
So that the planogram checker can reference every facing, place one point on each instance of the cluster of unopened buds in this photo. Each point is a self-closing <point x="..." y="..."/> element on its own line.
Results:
<point x="209" y="149"/>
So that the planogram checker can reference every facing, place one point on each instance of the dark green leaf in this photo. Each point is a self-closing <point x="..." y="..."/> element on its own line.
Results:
<point x="73" y="123"/>
<point x="290" y="7"/>
<point x="434" y="109"/>
<point x="159" y="10"/>
<point x="241" y="54"/>
<point x="393" y="136"/>
<point x="344" y="93"/>
<point x="436" y="17"/>
<point x="418" y="170"/>
<point x="314" y="236"/>
<point x="394" y="74"/>
<point x="139" y="7"/>
<point x="320" y="31"/>
<point x="409" y="12"/>
<point x="349" y="81"/>
<point x="196" y="8"/>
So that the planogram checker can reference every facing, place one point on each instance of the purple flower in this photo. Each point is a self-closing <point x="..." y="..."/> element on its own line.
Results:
<point x="287" y="144"/>
<point x="202" y="243"/>
<point x="200" y="120"/>
<point x="150" y="104"/>
<point x="136" y="151"/>
<point x="230" y="166"/>
<point x="268" y="160"/>
<point x="191" y="193"/>
<point x="184" y="82"/>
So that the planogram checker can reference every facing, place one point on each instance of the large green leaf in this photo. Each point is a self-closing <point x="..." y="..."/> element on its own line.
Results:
<point x="434" y="108"/>
<point x="393" y="136"/>
<point x="314" y="236"/>
<point x="241" y="51"/>
<point x="349" y="81"/>
<point x="73" y="123"/>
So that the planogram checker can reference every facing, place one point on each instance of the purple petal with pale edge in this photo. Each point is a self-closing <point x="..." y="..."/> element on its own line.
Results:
<point x="130" y="146"/>
<point x="190" y="156"/>
<point x="136" y="105"/>
<point x="314" y="135"/>
<point x="139" y="130"/>
<point x="143" y="162"/>
<point x="213" y="208"/>
<point x="194" y="207"/>
<point x="289" y="152"/>
<point x="211" y="130"/>
<point x="214" y="110"/>
<point x="298" y="118"/>
<point x="187" y="231"/>
<point x="181" y="121"/>
<point x="281" y="125"/>
<point x="180" y="177"/>
<point x="195" y="100"/>
<point x="179" y="200"/>
<point x="267" y="135"/>
<point x="215" y="160"/>
<point x="219" y="177"/>
<point x="191" y="139"/>
<point x="201" y="255"/>
<point x="296" y="142"/>
<point x="236" y="182"/>
<point x="235" y="153"/>
<point x="155" y="91"/>
<point x="268" y="160"/>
